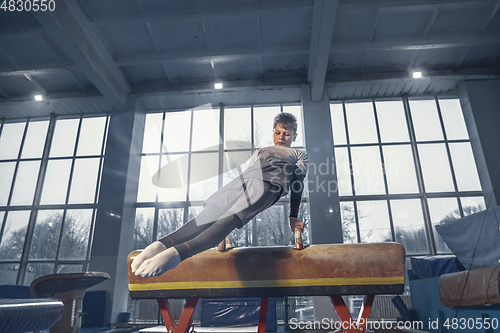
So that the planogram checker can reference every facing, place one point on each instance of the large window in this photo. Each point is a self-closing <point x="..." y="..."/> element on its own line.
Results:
<point x="403" y="166"/>
<point x="49" y="175"/>
<point x="189" y="155"/>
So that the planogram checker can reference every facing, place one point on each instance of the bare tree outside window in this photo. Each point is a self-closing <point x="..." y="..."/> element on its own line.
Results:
<point x="143" y="231"/>
<point x="348" y="222"/>
<point x="74" y="244"/>
<point x="270" y="226"/>
<point x="468" y="210"/>
<point x="169" y="220"/>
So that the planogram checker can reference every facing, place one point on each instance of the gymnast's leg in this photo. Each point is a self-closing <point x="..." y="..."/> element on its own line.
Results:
<point x="192" y="237"/>
<point x="225" y="197"/>
<point x="188" y="231"/>
<point x="171" y="257"/>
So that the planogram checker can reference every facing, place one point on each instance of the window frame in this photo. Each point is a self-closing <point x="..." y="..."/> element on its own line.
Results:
<point x="422" y="195"/>
<point x="251" y="227"/>
<point x="36" y="205"/>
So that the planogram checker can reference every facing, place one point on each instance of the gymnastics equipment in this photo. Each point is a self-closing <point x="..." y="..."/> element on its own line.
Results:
<point x="316" y="270"/>
<point x="69" y="289"/>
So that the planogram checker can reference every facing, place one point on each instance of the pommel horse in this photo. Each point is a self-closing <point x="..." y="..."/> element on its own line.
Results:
<point x="280" y="271"/>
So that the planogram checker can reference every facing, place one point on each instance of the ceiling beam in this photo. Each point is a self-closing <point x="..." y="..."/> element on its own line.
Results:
<point x="380" y="77"/>
<point x="54" y="46"/>
<point x="255" y="8"/>
<point x="485" y="25"/>
<point x="36" y="68"/>
<point x="77" y="80"/>
<point x="75" y="96"/>
<point x="463" y="74"/>
<point x="21" y="29"/>
<point x="37" y="84"/>
<point x="229" y="53"/>
<point x="336" y="46"/>
<point x="463" y="56"/>
<point x="493" y="13"/>
<point x="4" y="94"/>
<point x="214" y="11"/>
<point x="403" y="3"/>
<point x="425" y="34"/>
<point x="413" y="58"/>
<point x="7" y="56"/>
<point x="372" y="36"/>
<point x="206" y="12"/>
<point x="440" y="42"/>
<point x="207" y="41"/>
<point x="256" y="85"/>
<point x="56" y="49"/>
<point x="70" y="28"/>
<point x="375" y="24"/>
<point x="323" y="24"/>
<point x="430" y="23"/>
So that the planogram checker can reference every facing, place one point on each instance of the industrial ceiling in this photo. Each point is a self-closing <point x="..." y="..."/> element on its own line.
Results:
<point x="90" y="56"/>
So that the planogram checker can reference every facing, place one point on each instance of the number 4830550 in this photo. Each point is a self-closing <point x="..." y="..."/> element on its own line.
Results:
<point x="28" y="5"/>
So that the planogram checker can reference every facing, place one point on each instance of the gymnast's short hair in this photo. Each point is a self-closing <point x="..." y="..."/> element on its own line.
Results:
<point x="286" y="119"/>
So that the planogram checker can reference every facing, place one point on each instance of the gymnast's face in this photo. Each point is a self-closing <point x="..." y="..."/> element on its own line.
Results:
<point x="283" y="136"/>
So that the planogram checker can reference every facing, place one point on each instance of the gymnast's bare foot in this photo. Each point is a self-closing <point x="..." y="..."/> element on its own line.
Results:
<point x="159" y="264"/>
<point x="149" y="252"/>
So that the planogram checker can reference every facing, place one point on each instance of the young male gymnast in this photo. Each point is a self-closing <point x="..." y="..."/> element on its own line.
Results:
<point x="271" y="173"/>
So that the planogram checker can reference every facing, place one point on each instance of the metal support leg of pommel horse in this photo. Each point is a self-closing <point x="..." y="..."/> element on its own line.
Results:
<point x="186" y="319"/>
<point x="348" y="324"/>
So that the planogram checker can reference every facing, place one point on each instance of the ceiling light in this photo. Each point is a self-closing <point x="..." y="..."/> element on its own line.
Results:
<point x="38" y="97"/>
<point x="218" y="85"/>
<point x="417" y="75"/>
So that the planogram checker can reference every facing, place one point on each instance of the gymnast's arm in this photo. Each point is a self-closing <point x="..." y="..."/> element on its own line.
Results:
<point x="296" y="188"/>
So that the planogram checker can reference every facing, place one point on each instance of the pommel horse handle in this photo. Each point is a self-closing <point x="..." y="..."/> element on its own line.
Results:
<point x="298" y="238"/>
<point x="226" y="242"/>
<point x="222" y="246"/>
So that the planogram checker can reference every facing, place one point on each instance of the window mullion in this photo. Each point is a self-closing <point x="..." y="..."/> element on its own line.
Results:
<point x="221" y="146"/>
<point x="384" y="172"/>
<point x="252" y="128"/>
<point x="420" y="178"/>
<point x="16" y="168"/>
<point x="101" y="161"/>
<point x="189" y="155"/>
<point x="58" y="250"/>
<point x="255" y="239"/>
<point x="73" y="161"/>
<point x="36" y="198"/>
<point x="91" y="239"/>
<point x="447" y="145"/>
<point x="286" y="230"/>
<point x="156" y="214"/>
<point x="156" y="221"/>
<point x="4" y="221"/>
<point x="253" y="223"/>
<point x="351" y="176"/>
<point x="160" y="156"/>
